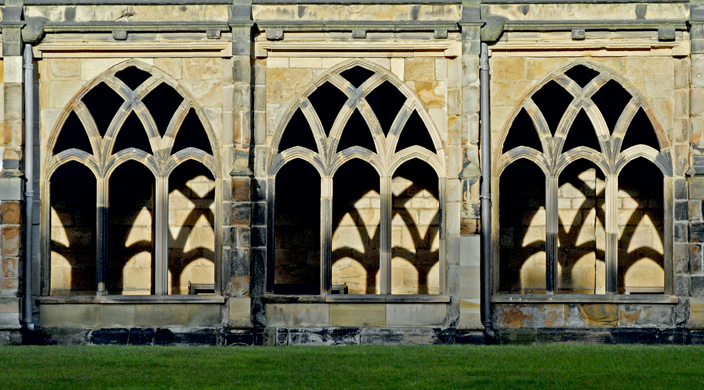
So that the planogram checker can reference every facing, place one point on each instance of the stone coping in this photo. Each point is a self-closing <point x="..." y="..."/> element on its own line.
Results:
<point x="131" y="299"/>
<point x="348" y="298"/>
<point x="585" y="298"/>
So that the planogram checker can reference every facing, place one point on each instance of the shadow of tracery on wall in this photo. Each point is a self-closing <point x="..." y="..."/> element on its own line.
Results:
<point x="566" y="131"/>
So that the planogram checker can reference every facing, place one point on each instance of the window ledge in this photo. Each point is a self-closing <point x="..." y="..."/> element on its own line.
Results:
<point x="350" y="298"/>
<point x="586" y="298"/>
<point x="133" y="299"/>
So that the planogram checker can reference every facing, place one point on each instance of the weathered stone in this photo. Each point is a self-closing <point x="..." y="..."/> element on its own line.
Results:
<point x="599" y="314"/>
<point x="357" y="315"/>
<point x="10" y="213"/>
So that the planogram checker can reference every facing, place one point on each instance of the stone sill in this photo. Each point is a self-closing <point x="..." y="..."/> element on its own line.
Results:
<point x="349" y="298"/>
<point x="653" y="299"/>
<point x="130" y="299"/>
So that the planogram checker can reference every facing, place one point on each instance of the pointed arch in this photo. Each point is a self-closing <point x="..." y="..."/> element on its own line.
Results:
<point x="356" y="102"/>
<point x="608" y="147"/>
<point x="128" y="83"/>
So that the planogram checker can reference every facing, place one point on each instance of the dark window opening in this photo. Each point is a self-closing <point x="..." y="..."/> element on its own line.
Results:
<point x="102" y="103"/>
<point x="162" y="103"/>
<point x="415" y="133"/>
<point x="611" y="99"/>
<point x="133" y="76"/>
<point x="298" y="133"/>
<point x="327" y="101"/>
<point x="357" y="75"/>
<point x="581" y="75"/>
<point x="132" y="135"/>
<point x="581" y="133"/>
<point x="72" y="135"/>
<point x="386" y="101"/>
<point x="192" y="135"/>
<point x="356" y="133"/>
<point x="522" y="133"/>
<point x="355" y="226"/>
<point x="73" y="238"/>
<point x="297" y="229"/>
<point x="552" y="100"/>
<point x="522" y="228"/>
<point x="640" y="131"/>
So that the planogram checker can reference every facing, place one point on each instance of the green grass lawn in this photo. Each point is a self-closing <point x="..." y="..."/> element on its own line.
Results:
<point x="354" y="367"/>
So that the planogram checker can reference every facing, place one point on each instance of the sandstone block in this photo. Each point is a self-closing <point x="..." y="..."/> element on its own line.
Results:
<point x="415" y="314"/>
<point x="69" y="316"/>
<point x="298" y="314"/>
<point x="357" y="315"/>
<point x="240" y="312"/>
<point x="422" y="69"/>
<point x="156" y="315"/>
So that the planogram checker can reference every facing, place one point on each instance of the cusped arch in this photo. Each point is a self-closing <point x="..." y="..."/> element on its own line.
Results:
<point x="132" y="103"/>
<point x="582" y="101"/>
<point x="327" y="145"/>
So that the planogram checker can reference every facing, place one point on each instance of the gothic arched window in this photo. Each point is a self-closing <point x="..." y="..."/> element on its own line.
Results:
<point x="357" y="171"/>
<point x="131" y="190"/>
<point x="582" y="170"/>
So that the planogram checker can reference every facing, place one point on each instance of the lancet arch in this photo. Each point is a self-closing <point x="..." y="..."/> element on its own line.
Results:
<point x="579" y="222"/>
<point x="133" y="113"/>
<point x="352" y="127"/>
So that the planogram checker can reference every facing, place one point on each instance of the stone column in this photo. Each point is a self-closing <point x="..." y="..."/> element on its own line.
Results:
<point x="463" y="180"/>
<point x="688" y="278"/>
<point x="237" y="264"/>
<point x="11" y="176"/>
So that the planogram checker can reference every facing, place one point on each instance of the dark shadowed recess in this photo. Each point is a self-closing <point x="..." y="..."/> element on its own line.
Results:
<point x="72" y="135"/>
<point x="192" y="134"/>
<point x="386" y="101"/>
<point x="162" y="103"/>
<point x="552" y="100"/>
<point x="133" y="76"/>
<point x="581" y="75"/>
<point x="581" y="133"/>
<point x="297" y="229"/>
<point x="521" y="196"/>
<point x="76" y="212"/>
<point x="327" y="101"/>
<point x="522" y="133"/>
<point x="611" y="99"/>
<point x="356" y="133"/>
<point x="415" y="133"/>
<point x="357" y="75"/>
<point x="102" y="103"/>
<point x="640" y="132"/>
<point x="132" y="135"/>
<point x="298" y="133"/>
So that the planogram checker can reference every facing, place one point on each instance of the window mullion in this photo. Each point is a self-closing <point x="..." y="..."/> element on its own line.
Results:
<point x="551" y="186"/>
<point x="161" y="238"/>
<point x="385" y="235"/>
<point x="611" y="216"/>
<point x="101" y="242"/>
<point x="326" y="235"/>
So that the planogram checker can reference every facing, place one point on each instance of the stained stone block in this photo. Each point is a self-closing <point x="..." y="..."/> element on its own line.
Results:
<point x="681" y="211"/>
<point x="116" y="316"/>
<point x="415" y="314"/>
<point x="695" y="258"/>
<point x="160" y="315"/>
<point x="298" y="314"/>
<point x="69" y="316"/>
<point x="696" y="314"/>
<point x="357" y="315"/>
<point x="599" y="314"/>
<point x="203" y="315"/>
<point x="697" y="286"/>
<point x="240" y="312"/>
<point x="682" y="285"/>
